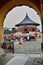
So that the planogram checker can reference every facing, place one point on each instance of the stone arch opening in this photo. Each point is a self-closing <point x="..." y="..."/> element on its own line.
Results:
<point x="25" y="30"/>
<point x="38" y="13"/>
<point x="9" y="6"/>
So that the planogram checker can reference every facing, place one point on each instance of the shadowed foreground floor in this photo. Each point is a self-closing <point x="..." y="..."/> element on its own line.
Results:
<point x="21" y="59"/>
<point x="5" y="59"/>
<point x="34" y="61"/>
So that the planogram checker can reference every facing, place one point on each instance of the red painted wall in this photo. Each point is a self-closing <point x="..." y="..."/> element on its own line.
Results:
<point x="22" y="29"/>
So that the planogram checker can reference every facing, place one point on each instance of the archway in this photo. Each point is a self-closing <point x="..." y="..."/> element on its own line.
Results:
<point x="25" y="30"/>
<point x="9" y="6"/>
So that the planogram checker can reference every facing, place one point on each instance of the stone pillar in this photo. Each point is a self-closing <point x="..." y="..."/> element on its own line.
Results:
<point x="42" y="42"/>
<point x="41" y="4"/>
<point x="0" y="32"/>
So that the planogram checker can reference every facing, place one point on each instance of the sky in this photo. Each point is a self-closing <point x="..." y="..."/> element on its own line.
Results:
<point x="18" y="13"/>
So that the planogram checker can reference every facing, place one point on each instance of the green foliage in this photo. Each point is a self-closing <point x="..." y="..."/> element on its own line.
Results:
<point x="14" y="30"/>
<point x="8" y="31"/>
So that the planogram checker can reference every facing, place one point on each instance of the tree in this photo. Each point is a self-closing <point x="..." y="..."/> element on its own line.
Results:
<point x="6" y="31"/>
<point x="14" y="30"/>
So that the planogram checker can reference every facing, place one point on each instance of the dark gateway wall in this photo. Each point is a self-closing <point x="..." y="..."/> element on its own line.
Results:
<point x="37" y="2"/>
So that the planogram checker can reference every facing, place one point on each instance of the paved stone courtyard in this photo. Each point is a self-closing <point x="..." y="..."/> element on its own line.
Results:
<point x="22" y="52"/>
<point x="28" y="47"/>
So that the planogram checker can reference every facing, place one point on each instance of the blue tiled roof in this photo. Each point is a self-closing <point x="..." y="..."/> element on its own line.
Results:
<point x="27" y="21"/>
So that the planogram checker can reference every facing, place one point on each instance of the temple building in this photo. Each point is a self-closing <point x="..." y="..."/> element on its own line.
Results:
<point x="27" y="25"/>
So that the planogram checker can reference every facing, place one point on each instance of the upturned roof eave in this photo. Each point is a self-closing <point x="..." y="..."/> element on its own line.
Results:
<point x="27" y="21"/>
<point x="26" y="24"/>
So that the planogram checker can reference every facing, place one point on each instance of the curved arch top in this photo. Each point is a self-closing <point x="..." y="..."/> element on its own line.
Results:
<point x="8" y="6"/>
